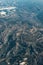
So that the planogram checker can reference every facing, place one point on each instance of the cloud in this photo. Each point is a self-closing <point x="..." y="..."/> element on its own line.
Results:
<point x="7" y="8"/>
<point x="2" y="13"/>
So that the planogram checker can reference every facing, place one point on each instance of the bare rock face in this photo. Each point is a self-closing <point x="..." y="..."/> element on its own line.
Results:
<point x="21" y="32"/>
